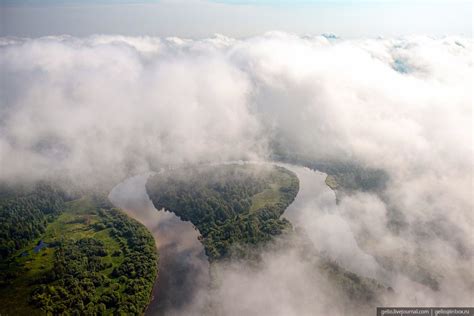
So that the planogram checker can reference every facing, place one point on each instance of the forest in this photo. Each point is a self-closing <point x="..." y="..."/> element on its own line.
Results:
<point x="24" y="215"/>
<point x="232" y="206"/>
<point x="95" y="261"/>
<point x="343" y="175"/>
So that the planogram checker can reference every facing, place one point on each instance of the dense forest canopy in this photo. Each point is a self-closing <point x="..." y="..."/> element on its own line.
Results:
<point x="25" y="215"/>
<point x="83" y="257"/>
<point x="346" y="176"/>
<point x="232" y="206"/>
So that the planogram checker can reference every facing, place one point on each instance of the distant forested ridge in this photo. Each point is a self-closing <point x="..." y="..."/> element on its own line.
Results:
<point x="347" y="176"/>
<point x="89" y="259"/>
<point x="232" y="206"/>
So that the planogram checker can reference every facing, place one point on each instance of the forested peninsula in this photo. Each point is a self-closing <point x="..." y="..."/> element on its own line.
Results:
<point x="233" y="206"/>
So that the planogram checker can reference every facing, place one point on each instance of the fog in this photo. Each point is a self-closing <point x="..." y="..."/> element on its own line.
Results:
<point x="97" y="110"/>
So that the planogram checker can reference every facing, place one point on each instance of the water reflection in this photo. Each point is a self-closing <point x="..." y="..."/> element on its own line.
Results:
<point x="183" y="267"/>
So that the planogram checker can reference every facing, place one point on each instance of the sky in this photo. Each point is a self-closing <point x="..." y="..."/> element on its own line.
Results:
<point x="235" y="18"/>
<point x="127" y="93"/>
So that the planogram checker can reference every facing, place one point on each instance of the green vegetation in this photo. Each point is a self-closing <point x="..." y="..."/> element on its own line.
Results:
<point x="24" y="217"/>
<point x="232" y="206"/>
<point x="357" y="288"/>
<point x="96" y="260"/>
<point x="331" y="182"/>
<point x="344" y="176"/>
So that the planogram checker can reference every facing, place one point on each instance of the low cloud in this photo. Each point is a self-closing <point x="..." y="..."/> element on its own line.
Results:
<point x="101" y="108"/>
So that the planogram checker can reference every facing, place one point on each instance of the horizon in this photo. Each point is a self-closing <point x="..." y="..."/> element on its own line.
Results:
<point x="235" y="18"/>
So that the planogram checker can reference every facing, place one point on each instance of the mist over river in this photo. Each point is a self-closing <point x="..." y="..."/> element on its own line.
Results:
<point x="183" y="265"/>
<point x="188" y="285"/>
<point x="389" y="118"/>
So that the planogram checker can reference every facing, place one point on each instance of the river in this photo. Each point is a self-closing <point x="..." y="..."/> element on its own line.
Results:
<point x="183" y="265"/>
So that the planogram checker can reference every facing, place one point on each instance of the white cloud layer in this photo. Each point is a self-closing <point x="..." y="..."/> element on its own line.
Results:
<point x="100" y="108"/>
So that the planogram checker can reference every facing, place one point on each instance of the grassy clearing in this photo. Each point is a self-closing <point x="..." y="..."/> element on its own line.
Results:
<point x="74" y="223"/>
<point x="273" y="194"/>
<point x="331" y="182"/>
<point x="234" y="207"/>
<point x="82" y="219"/>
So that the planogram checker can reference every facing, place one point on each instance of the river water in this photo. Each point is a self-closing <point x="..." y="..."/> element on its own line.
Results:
<point x="183" y="265"/>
